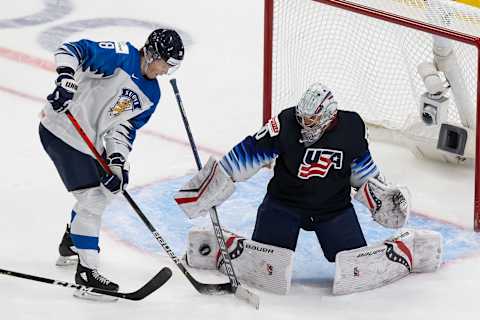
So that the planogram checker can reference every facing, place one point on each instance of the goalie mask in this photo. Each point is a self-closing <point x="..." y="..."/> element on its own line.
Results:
<point x="315" y="112"/>
<point x="167" y="45"/>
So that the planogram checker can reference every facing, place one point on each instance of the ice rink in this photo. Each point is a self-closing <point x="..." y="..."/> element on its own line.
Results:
<point x="221" y="86"/>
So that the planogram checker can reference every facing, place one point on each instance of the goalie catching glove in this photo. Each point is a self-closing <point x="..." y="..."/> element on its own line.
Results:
<point x="210" y="187"/>
<point x="388" y="204"/>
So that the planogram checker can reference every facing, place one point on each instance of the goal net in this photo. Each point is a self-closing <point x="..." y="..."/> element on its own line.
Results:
<point x="368" y="52"/>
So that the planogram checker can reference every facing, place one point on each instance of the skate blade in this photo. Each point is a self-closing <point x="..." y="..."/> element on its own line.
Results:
<point x="66" y="261"/>
<point x="85" y="295"/>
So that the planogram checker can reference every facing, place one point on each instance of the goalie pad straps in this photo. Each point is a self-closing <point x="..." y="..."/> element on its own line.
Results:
<point x="262" y="266"/>
<point x="388" y="204"/>
<point x="210" y="187"/>
<point x="375" y="266"/>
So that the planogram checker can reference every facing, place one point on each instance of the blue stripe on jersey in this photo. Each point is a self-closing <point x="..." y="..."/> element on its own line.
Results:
<point x="92" y="57"/>
<point x="363" y="168"/>
<point x="140" y="120"/>
<point x="72" y="49"/>
<point x="245" y="159"/>
<point x="73" y="214"/>
<point x="84" y="242"/>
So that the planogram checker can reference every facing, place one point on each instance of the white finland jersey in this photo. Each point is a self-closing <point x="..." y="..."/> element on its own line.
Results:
<point x="113" y="99"/>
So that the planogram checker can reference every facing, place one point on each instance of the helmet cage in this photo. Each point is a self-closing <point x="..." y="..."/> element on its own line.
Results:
<point x="315" y="112"/>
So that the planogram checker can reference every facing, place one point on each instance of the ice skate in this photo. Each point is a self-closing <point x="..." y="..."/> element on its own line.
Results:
<point x="92" y="278"/>
<point x="67" y="251"/>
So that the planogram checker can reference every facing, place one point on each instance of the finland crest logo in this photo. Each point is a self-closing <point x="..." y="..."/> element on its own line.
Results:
<point x="128" y="100"/>
<point x="317" y="162"/>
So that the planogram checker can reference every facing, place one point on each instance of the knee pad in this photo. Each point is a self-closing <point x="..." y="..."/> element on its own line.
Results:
<point x="91" y="201"/>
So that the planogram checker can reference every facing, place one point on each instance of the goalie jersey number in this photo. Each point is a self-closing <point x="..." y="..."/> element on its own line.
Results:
<point x="317" y="162"/>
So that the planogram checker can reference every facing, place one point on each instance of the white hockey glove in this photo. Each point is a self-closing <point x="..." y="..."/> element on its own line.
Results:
<point x="210" y="187"/>
<point x="388" y="204"/>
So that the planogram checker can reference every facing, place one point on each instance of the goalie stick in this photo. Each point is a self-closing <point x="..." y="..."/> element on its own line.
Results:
<point x="203" y="288"/>
<point x="239" y="290"/>
<point x="152" y="285"/>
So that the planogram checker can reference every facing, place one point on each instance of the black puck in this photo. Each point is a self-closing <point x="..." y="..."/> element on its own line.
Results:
<point x="204" y="250"/>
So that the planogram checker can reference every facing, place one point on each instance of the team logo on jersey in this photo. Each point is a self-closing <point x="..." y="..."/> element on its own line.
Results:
<point x="317" y="162"/>
<point x="128" y="101"/>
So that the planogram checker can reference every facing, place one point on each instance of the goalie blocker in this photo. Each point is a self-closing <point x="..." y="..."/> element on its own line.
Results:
<point x="210" y="187"/>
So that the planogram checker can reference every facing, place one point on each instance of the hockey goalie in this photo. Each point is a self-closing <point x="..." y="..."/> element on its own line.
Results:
<point x="319" y="154"/>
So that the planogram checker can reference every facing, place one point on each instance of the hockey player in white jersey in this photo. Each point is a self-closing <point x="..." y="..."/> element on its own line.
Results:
<point x="111" y="89"/>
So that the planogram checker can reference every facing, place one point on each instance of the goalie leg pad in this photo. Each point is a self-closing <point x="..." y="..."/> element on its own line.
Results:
<point x="259" y="265"/>
<point x="375" y="266"/>
<point x="388" y="204"/>
<point x="427" y="250"/>
<point x="210" y="187"/>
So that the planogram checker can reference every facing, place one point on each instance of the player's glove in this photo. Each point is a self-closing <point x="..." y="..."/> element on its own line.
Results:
<point x="119" y="180"/>
<point x="66" y="86"/>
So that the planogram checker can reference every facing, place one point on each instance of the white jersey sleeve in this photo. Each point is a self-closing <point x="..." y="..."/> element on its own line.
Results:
<point x="113" y="99"/>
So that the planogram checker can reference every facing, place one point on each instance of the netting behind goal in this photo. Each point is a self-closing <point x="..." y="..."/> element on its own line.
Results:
<point x="367" y="52"/>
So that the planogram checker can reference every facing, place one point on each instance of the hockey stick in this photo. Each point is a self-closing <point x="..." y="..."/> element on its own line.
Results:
<point x="240" y="291"/>
<point x="204" y="288"/>
<point x="152" y="285"/>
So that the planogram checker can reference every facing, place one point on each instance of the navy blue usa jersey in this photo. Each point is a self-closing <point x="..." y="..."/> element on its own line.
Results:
<point x="317" y="178"/>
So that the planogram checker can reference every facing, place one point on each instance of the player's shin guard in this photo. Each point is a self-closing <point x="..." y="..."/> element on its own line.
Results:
<point x="375" y="266"/>
<point x="259" y="265"/>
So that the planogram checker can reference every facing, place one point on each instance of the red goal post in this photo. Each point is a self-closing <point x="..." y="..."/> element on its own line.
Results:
<point x="294" y="55"/>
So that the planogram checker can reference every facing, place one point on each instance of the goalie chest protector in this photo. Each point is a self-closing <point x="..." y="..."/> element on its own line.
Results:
<point x="316" y="178"/>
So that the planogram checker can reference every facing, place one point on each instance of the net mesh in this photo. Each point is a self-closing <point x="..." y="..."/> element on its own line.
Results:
<point x="370" y="65"/>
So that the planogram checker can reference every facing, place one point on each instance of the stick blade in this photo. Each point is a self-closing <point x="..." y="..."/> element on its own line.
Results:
<point x="248" y="296"/>
<point x="156" y="282"/>
<point x="214" y="289"/>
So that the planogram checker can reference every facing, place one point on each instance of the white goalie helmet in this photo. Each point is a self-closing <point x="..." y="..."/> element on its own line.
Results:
<point x="315" y="112"/>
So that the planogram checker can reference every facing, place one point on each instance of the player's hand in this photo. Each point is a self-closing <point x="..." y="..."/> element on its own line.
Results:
<point x="66" y="86"/>
<point x="119" y="180"/>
